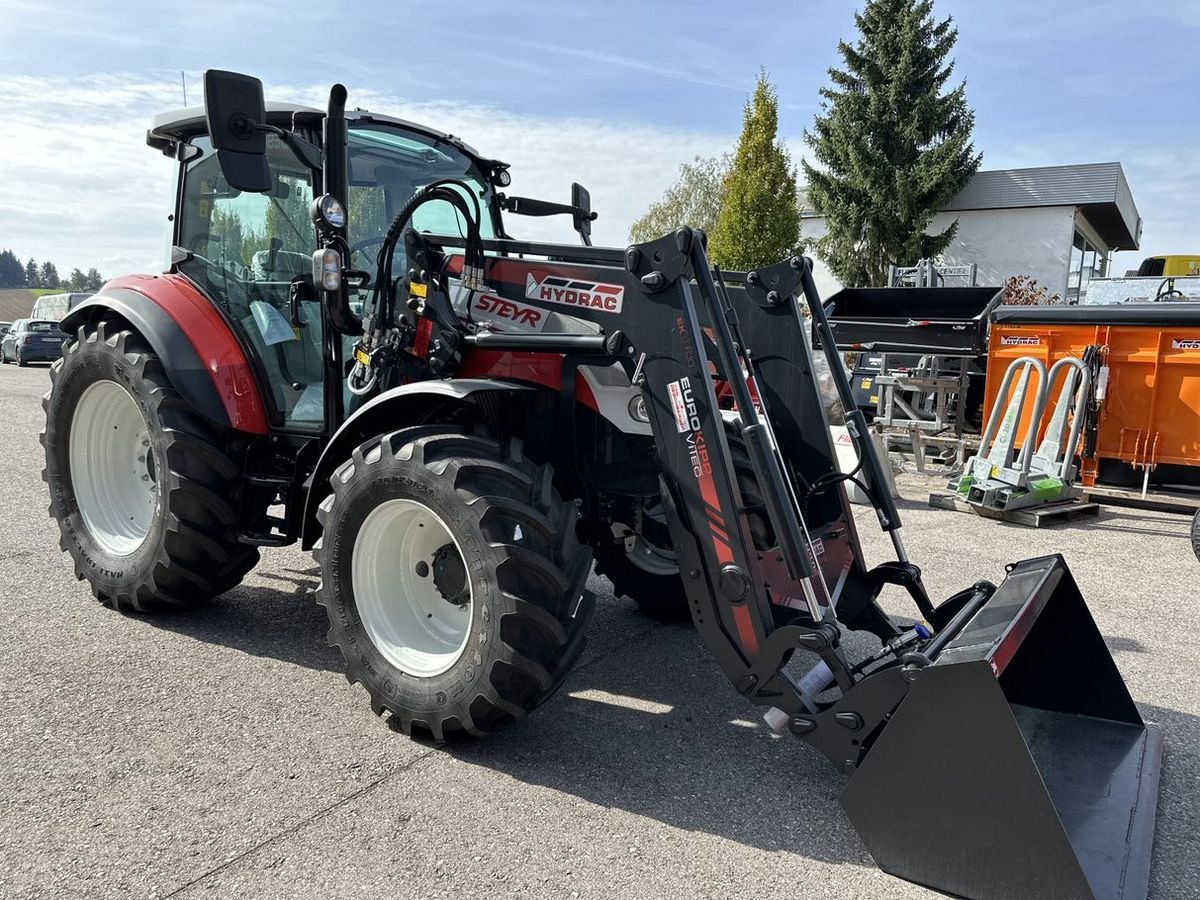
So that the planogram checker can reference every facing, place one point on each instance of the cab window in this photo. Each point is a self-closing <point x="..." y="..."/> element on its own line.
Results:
<point x="246" y="249"/>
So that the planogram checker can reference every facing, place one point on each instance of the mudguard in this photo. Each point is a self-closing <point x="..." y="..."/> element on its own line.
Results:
<point x="201" y="356"/>
<point x="395" y="408"/>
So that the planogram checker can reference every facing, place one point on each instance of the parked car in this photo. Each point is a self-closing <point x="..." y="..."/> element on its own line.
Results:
<point x="32" y="340"/>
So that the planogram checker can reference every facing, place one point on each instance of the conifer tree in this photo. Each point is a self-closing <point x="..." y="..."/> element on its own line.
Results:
<point x="892" y="148"/>
<point x="760" y="220"/>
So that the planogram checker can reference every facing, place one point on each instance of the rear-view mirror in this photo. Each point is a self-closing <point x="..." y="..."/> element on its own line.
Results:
<point x="581" y="200"/>
<point x="236" y="112"/>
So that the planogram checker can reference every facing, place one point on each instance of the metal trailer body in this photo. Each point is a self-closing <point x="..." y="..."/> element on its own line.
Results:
<point x="1141" y="432"/>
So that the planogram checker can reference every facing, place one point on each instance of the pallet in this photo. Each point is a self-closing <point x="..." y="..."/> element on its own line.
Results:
<point x="1034" y="517"/>
<point x="1156" y="501"/>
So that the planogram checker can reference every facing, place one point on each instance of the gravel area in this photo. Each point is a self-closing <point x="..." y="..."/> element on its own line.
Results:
<point x="219" y="752"/>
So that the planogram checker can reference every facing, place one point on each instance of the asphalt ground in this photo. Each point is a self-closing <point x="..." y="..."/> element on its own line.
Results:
<point x="220" y="752"/>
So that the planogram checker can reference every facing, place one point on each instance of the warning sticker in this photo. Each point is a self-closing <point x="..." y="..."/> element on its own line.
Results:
<point x="678" y="407"/>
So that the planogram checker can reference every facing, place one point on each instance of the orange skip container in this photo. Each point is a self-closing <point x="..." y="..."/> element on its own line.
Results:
<point x="1150" y="414"/>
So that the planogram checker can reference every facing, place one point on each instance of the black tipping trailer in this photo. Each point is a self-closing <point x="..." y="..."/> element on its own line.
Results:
<point x="943" y="321"/>
<point x="940" y="333"/>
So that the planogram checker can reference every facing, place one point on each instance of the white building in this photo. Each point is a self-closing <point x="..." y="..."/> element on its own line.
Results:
<point x="1059" y="224"/>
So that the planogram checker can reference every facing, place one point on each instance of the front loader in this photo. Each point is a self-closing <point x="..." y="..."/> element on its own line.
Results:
<point x="350" y="351"/>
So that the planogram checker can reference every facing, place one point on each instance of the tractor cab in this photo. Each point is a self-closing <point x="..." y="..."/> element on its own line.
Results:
<point x="252" y="252"/>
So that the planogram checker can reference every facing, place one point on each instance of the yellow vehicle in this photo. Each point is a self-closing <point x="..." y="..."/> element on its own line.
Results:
<point x="1164" y="266"/>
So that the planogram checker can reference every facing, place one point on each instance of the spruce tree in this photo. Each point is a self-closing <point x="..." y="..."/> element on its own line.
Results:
<point x="893" y="148"/>
<point x="760" y="220"/>
<point x="33" y="275"/>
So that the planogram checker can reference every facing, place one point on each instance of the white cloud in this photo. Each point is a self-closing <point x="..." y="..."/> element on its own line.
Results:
<point x="81" y="188"/>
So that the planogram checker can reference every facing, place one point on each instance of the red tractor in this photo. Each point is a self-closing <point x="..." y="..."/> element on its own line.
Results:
<point x="350" y="351"/>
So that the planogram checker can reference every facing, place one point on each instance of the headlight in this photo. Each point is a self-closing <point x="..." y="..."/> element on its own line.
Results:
<point x="327" y="269"/>
<point x="328" y="212"/>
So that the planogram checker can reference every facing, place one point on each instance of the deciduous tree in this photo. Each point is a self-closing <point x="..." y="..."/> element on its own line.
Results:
<point x="694" y="199"/>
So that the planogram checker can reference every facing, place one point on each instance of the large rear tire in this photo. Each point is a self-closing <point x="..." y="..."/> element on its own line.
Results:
<point x="453" y="579"/>
<point x="145" y="491"/>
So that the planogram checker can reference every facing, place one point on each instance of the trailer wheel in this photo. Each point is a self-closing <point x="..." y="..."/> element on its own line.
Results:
<point x="1196" y="534"/>
<point x="645" y="570"/>
<point x="452" y="578"/>
<point x="144" y="491"/>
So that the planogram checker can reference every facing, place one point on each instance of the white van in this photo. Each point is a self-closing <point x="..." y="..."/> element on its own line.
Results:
<point x="54" y="307"/>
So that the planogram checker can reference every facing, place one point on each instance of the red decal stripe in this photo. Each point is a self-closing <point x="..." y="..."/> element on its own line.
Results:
<point x="724" y="551"/>
<point x="745" y="628"/>
<point x="708" y="490"/>
<point x="213" y="341"/>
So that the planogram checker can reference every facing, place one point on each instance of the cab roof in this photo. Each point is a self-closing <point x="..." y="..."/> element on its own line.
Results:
<point x="169" y="129"/>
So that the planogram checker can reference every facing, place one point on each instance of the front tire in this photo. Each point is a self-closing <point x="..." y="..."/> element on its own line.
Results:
<point x="452" y="578"/>
<point x="144" y="491"/>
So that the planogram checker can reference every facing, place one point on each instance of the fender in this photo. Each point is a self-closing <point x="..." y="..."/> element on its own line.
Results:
<point x="194" y="343"/>
<point x="395" y="408"/>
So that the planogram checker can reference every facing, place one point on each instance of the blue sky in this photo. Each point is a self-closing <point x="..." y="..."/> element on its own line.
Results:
<point x="614" y="94"/>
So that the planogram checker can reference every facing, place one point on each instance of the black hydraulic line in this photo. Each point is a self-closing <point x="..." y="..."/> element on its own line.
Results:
<point x="856" y="422"/>
<point x="776" y="494"/>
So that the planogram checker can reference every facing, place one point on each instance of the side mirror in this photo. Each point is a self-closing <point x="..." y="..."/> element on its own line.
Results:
<point x="581" y="200"/>
<point x="236" y="114"/>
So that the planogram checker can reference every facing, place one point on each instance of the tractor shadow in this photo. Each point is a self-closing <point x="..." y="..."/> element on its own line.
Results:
<point x="282" y="623"/>
<point x="647" y="724"/>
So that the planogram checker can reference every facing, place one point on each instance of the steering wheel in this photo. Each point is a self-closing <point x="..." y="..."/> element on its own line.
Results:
<point x="361" y="246"/>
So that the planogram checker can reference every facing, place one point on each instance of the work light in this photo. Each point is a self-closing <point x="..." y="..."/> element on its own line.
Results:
<point x="328" y="213"/>
<point x="327" y="269"/>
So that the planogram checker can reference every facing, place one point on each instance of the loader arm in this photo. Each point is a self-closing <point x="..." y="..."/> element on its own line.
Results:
<point x="984" y="708"/>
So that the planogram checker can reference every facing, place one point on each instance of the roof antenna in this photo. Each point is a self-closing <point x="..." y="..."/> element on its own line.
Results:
<point x="183" y="82"/>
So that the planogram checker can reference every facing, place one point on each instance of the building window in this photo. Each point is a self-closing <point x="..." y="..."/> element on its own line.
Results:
<point x="1087" y="263"/>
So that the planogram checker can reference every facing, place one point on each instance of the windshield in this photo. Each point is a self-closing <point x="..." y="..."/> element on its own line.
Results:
<point x="387" y="165"/>
<point x="41" y="326"/>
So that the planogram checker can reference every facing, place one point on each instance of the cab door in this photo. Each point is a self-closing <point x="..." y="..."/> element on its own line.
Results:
<point x="246" y="250"/>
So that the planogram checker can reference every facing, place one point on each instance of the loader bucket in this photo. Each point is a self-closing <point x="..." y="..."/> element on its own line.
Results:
<point x="1017" y="764"/>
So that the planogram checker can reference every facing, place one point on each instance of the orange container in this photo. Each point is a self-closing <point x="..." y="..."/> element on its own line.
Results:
<point x="1150" y="414"/>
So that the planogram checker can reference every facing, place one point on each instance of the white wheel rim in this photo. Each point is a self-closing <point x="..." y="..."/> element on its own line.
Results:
<point x="404" y="612"/>
<point x="112" y="468"/>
